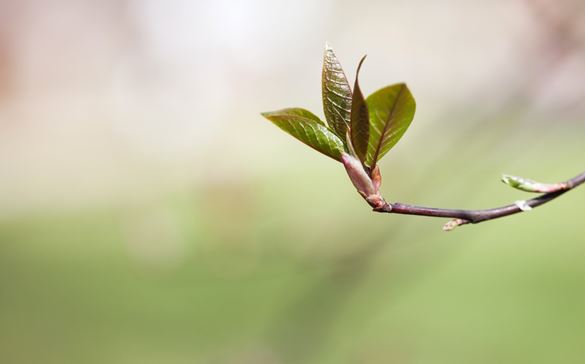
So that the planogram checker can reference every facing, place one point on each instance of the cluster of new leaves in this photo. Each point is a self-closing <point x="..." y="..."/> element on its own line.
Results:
<point x="366" y="128"/>
<point x="359" y="131"/>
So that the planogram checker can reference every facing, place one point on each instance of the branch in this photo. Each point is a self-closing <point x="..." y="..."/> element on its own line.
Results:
<point x="462" y="217"/>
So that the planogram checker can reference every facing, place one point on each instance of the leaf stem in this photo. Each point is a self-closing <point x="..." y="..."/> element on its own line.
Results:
<point x="477" y="216"/>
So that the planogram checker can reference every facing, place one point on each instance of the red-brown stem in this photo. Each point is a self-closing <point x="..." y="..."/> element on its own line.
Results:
<point x="477" y="216"/>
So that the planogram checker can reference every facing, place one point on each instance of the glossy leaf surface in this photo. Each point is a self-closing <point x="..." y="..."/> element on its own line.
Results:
<point x="309" y="129"/>
<point x="391" y="111"/>
<point x="336" y="94"/>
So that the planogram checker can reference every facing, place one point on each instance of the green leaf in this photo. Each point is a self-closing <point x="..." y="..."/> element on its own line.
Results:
<point x="309" y="129"/>
<point x="360" y="121"/>
<point x="391" y="112"/>
<point x="297" y="111"/>
<point x="336" y="94"/>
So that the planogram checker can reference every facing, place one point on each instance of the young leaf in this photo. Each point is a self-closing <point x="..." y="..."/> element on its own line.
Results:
<point x="297" y="111"/>
<point x="391" y="112"/>
<point x="528" y="185"/>
<point x="359" y="121"/>
<point x="309" y="129"/>
<point x="336" y="94"/>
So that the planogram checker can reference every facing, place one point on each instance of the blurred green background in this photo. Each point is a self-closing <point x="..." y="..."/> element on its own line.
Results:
<point x="148" y="214"/>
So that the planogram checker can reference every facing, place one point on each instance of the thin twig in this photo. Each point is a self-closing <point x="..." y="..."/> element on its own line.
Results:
<point x="476" y="216"/>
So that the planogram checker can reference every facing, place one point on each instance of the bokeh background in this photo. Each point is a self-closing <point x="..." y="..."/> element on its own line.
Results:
<point x="148" y="214"/>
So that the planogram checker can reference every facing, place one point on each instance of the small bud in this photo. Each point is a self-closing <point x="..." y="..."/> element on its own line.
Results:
<point x="528" y="185"/>
<point x="376" y="178"/>
<point x="453" y="224"/>
<point x="523" y="205"/>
